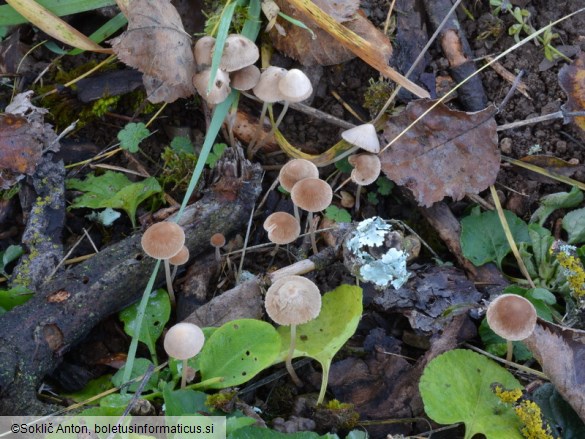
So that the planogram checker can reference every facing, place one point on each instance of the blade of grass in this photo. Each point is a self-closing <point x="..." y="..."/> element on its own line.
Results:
<point x="544" y="172"/>
<point x="509" y="236"/>
<point x="54" y="26"/>
<point x="9" y="16"/>
<point x="112" y="26"/>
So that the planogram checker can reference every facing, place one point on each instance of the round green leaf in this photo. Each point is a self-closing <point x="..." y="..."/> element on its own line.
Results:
<point x="456" y="387"/>
<point x="238" y="351"/>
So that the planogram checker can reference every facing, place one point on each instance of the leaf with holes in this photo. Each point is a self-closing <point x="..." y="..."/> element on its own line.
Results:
<point x="155" y="318"/>
<point x="447" y="153"/>
<point x="238" y="351"/>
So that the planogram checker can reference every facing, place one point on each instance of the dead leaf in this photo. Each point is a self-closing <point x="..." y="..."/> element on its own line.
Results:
<point x="446" y="153"/>
<point x="551" y="164"/>
<point x="299" y="44"/>
<point x="572" y="81"/>
<point x="156" y="44"/>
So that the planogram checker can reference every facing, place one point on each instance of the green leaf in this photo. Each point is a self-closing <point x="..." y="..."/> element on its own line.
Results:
<point x="182" y="144"/>
<point x="373" y="198"/>
<point x="344" y="166"/>
<point x="456" y="387"/>
<point x="252" y="432"/>
<point x="131" y="135"/>
<point x="8" y="16"/>
<point x="140" y="367"/>
<point x="91" y="389"/>
<point x="116" y="401"/>
<point x="234" y="423"/>
<point x="238" y="351"/>
<point x="215" y="154"/>
<point x="483" y="239"/>
<point x="113" y="190"/>
<point x="385" y="186"/>
<point x="574" y="224"/>
<point x="14" y="296"/>
<point x="106" y="217"/>
<point x="321" y="339"/>
<point x="552" y="202"/>
<point x="155" y="318"/>
<point x="338" y="215"/>
<point x="559" y="415"/>
<point x="12" y="253"/>
<point x="183" y="401"/>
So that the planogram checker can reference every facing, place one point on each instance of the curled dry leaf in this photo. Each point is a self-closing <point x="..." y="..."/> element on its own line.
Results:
<point x="572" y="81"/>
<point x="446" y="153"/>
<point x="323" y="49"/>
<point x="156" y="44"/>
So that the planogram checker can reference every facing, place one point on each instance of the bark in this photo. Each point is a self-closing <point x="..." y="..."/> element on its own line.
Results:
<point x="34" y="336"/>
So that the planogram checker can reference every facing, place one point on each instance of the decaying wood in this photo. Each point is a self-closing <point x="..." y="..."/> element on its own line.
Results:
<point x="34" y="336"/>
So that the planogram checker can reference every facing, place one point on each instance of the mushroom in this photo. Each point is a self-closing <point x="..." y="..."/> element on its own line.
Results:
<point x="364" y="137"/>
<point x="183" y="341"/>
<point x="203" y="51"/>
<point x="292" y="300"/>
<point x="282" y="228"/>
<point x="220" y="89"/>
<point x="366" y="169"/>
<point x="267" y="91"/>
<point x="294" y="171"/>
<point x="312" y="195"/>
<point x="163" y="241"/>
<point x="180" y="258"/>
<point x="238" y="52"/>
<point x="217" y="240"/>
<point x="246" y="78"/>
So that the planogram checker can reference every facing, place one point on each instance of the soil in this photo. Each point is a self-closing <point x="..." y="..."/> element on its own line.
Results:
<point x="519" y="191"/>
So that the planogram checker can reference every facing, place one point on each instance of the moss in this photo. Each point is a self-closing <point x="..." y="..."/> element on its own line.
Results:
<point x="376" y="96"/>
<point x="222" y="401"/>
<point x="337" y="415"/>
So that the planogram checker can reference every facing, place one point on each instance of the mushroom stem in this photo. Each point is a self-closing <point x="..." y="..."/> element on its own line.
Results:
<point x="297" y="214"/>
<point x="169" y="283"/>
<point x="217" y="255"/>
<point x="357" y="198"/>
<point x="274" y="127"/>
<point x="312" y="229"/>
<point x="509" y="350"/>
<point x="184" y="374"/>
<point x="174" y="273"/>
<point x="251" y="149"/>
<point x="347" y="180"/>
<point x="291" y="350"/>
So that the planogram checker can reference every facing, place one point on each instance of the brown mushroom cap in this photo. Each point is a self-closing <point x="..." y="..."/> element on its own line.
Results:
<point x="366" y="168"/>
<point x="183" y="341"/>
<point x="180" y="258"/>
<point x="296" y="170"/>
<point x="246" y="78"/>
<point x="267" y="87"/>
<point x="295" y="86"/>
<point x="511" y="317"/>
<point x="220" y="90"/>
<point x="293" y="300"/>
<point x="238" y="52"/>
<point x="363" y="136"/>
<point x="312" y="194"/>
<point x="282" y="228"/>
<point x="217" y="240"/>
<point x="163" y="240"/>
<point x="203" y="51"/>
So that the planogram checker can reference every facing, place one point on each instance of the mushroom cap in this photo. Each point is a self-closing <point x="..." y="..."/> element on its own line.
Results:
<point x="184" y="340"/>
<point x="295" y="170"/>
<point x="180" y="258"/>
<point x="217" y="240"/>
<point x="267" y="87"/>
<point x="511" y="317"/>
<point x="293" y="300"/>
<point x="220" y="90"/>
<point x="203" y="51"/>
<point x="295" y="86"/>
<point x="238" y="52"/>
<point x="282" y="228"/>
<point x="366" y="168"/>
<point x="246" y="78"/>
<point x="163" y="240"/>
<point x="363" y="136"/>
<point x="312" y="194"/>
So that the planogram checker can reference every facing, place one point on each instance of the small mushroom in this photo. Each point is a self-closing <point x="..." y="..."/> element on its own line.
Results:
<point x="163" y="241"/>
<point x="220" y="89"/>
<point x="294" y="171"/>
<point x="366" y="169"/>
<point x="246" y="78"/>
<point x="293" y="300"/>
<point x="312" y="195"/>
<point x="183" y="341"/>
<point x="238" y="52"/>
<point x="180" y="258"/>
<point x="364" y="137"/>
<point x="203" y="51"/>
<point x="217" y="240"/>
<point x="511" y="317"/>
<point x="282" y="228"/>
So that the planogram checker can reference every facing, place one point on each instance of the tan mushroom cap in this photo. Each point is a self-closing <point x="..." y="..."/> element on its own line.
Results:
<point x="363" y="136"/>
<point x="296" y="170"/>
<point x="180" y="258"/>
<point x="163" y="240"/>
<point x="267" y="87"/>
<point x="220" y="90"/>
<point x="312" y="194"/>
<point x="293" y="300"/>
<point x="246" y="78"/>
<point x="203" y="51"/>
<point x="295" y="86"/>
<point x="282" y="228"/>
<point x="512" y="317"/>
<point x="238" y="52"/>
<point x="217" y="240"/>
<point x="184" y="340"/>
<point x="366" y="168"/>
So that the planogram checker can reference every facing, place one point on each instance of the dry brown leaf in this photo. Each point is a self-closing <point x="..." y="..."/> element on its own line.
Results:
<point x="325" y="50"/>
<point x="447" y="153"/>
<point x="572" y="81"/>
<point x="156" y="44"/>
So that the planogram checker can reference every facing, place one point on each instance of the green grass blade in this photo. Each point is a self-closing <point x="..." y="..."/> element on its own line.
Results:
<point x="107" y="30"/>
<point x="252" y="25"/>
<point x="222" y="32"/>
<point x="9" y="17"/>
